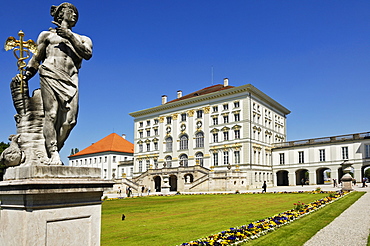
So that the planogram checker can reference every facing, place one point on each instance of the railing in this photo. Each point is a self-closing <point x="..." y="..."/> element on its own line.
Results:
<point x="199" y="181"/>
<point x="339" y="138"/>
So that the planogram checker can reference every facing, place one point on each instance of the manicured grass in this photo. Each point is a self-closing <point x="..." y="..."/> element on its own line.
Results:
<point x="301" y="230"/>
<point x="173" y="220"/>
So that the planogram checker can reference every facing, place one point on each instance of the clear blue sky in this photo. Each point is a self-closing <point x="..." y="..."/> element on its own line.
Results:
<point x="311" y="56"/>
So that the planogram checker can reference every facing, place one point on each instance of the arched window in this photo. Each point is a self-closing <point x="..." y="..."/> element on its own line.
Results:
<point x="184" y="160"/>
<point x="169" y="144"/>
<point x="199" y="159"/>
<point x="184" y="142"/>
<point x="199" y="140"/>
<point x="168" y="162"/>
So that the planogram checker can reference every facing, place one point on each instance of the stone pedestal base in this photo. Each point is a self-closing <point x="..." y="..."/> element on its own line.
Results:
<point x="46" y="211"/>
<point x="347" y="182"/>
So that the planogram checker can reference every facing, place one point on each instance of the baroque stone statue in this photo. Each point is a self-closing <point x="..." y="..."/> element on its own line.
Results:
<point x="45" y="120"/>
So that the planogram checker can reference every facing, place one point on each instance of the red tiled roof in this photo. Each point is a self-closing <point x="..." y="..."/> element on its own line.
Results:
<point x="203" y="91"/>
<point x="112" y="142"/>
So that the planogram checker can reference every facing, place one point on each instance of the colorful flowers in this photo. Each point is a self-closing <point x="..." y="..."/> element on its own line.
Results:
<point x="256" y="229"/>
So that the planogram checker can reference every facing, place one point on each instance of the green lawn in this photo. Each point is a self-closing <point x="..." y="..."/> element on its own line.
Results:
<point x="173" y="220"/>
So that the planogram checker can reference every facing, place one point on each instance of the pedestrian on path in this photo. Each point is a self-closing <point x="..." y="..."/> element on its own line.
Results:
<point x="364" y="182"/>
<point x="264" y="186"/>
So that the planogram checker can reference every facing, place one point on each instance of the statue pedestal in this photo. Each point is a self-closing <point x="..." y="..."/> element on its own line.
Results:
<point x="165" y="186"/>
<point x="347" y="182"/>
<point x="44" y="206"/>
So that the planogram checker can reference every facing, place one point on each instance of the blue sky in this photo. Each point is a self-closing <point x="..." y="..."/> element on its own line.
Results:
<point x="313" y="57"/>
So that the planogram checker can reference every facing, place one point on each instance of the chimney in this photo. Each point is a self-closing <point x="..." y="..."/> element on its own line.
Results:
<point x="226" y="82"/>
<point x="124" y="136"/>
<point x="164" y="99"/>
<point x="179" y="94"/>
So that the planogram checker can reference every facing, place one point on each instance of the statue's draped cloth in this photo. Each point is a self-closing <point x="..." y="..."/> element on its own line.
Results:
<point x="57" y="82"/>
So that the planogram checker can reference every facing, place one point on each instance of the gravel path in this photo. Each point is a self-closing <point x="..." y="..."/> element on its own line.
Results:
<point x="351" y="228"/>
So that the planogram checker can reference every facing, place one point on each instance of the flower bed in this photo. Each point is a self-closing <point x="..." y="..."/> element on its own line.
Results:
<point x="256" y="229"/>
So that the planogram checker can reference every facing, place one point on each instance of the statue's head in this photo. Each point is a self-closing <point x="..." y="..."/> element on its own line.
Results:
<point x="58" y="14"/>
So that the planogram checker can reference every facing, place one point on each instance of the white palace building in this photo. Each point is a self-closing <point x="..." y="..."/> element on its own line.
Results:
<point x="225" y="138"/>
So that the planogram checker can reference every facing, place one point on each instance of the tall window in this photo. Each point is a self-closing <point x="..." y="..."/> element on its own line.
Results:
<point x="169" y="119"/>
<point x="226" y="157"/>
<point x="148" y="133"/>
<point x="237" y="134"/>
<point x="367" y="150"/>
<point x="322" y="155"/>
<point x="183" y="117"/>
<point x="199" y="159"/>
<point x="184" y="142"/>
<point x="148" y="147"/>
<point x="215" y="108"/>
<point x="156" y="131"/>
<point x="140" y="134"/>
<point x="226" y="136"/>
<point x="215" y="120"/>
<point x="199" y="113"/>
<point x="226" y="106"/>
<point x="300" y="157"/>
<point x="147" y="164"/>
<point x="226" y="119"/>
<point x="237" y="157"/>
<point x="168" y="161"/>
<point x="155" y="145"/>
<point x="199" y="140"/>
<point x="282" y="158"/>
<point x="155" y="163"/>
<point x="237" y="117"/>
<point x="345" y="153"/>
<point x="168" y="144"/>
<point x="215" y="137"/>
<point x="236" y="104"/>
<point x="184" y="160"/>
<point x="140" y="166"/>
<point x="215" y="159"/>
<point x="140" y="148"/>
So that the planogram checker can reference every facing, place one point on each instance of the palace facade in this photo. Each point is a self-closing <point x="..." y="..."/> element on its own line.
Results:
<point x="217" y="138"/>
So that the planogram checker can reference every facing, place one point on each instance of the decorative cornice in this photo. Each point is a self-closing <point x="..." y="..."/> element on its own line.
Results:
<point x="236" y="127"/>
<point x="225" y="146"/>
<point x="206" y="109"/>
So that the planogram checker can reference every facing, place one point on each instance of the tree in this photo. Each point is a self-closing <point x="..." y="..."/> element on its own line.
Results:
<point x="3" y="146"/>
<point x="367" y="173"/>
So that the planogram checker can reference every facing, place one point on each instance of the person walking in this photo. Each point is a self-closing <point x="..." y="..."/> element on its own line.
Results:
<point x="264" y="187"/>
